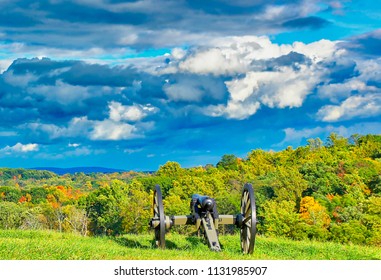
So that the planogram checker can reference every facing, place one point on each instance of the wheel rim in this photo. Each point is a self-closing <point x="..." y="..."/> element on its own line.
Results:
<point x="158" y="213"/>
<point x="249" y="219"/>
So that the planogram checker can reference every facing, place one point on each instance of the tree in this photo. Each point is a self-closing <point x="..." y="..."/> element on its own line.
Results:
<point x="11" y="194"/>
<point x="258" y="163"/>
<point x="11" y="215"/>
<point x="336" y="141"/>
<point x="75" y="220"/>
<point x="289" y="184"/>
<point x="315" y="144"/>
<point x="34" y="219"/>
<point x="352" y="232"/>
<point x="321" y="179"/>
<point x="228" y="162"/>
<point x="280" y="219"/>
<point x="104" y="208"/>
<point x="369" y="146"/>
<point x="171" y="169"/>
<point x="316" y="218"/>
<point x="372" y="220"/>
<point x="137" y="209"/>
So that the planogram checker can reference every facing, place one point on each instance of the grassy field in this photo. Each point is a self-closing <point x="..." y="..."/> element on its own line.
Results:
<point x="48" y="245"/>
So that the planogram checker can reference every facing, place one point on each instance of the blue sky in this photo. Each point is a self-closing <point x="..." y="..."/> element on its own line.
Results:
<point x="134" y="84"/>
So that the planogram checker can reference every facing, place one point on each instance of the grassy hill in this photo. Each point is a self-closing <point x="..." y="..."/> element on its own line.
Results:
<point x="49" y="245"/>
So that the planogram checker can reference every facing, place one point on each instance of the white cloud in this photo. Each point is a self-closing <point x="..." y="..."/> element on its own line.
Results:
<point x="250" y="48"/>
<point x="19" y="80"/>
<point x="293" y="135"/>
<point x="369" y="69"/>
<point x="132" y="151"/>
<point x="4" y="64"/>
<point x="7" y="133"/>
<point x="74" y="145"/>
<point x="59" y="53"/>
<point x="77" y="127"/>
<point x="178" y="53"/>
<point x="193" y="89"/>
<point x="20" y="148"/>
<point x="280" y="89"/>
<point x="287" y="11"/>
<point x="335" y="92"/>
<point x="116" y="127"/>
<point x="183" y="92"/>
<point x="241" y="89"/>
<point x="129" y="39"/>
<point x="134" y="113"/>
<point x="360" y="106"/>
<point x="272" y="12"/>
<point x="283" y="88"/>
<point x="364" y="83"/>
<point x="83" y="127"/>
<point x="319" y="51"/>
<point x="213" y="61"/>
<point x="233" y="110"/>
<point x="253" y="83"/>
<point x="111" y="130"/>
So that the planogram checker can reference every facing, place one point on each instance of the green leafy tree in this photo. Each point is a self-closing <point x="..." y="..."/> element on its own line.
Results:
<point x="136" y="209"/>
<point x="352" y="232"/>
<point x="170" y="169"/>
<point x="289" y="184"/>
<point x="104" y="208"/>
<point x="280" y="219"/>
<point x="11" y="215"/>
<point x="228" y="162"/>
<point x="11" y="194"/>
<point x="372" y="220"/>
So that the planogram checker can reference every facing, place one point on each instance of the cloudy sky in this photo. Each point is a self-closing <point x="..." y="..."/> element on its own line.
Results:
<point x="134" y="84"/>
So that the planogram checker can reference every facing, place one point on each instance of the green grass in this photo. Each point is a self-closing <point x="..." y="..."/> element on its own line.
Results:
<point x="49" y="245"/>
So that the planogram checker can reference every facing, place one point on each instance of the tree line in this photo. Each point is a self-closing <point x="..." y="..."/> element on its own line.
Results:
<point x="327" y="191"/>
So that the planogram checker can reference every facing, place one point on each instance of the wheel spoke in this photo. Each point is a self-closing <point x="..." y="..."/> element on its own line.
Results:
<point x="247" y="209"/>
<point x="247" y="219"/>
<point x="245" y="197"/>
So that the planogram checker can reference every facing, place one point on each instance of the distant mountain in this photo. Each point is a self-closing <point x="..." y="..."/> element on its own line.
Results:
<point x="72" y="170"/>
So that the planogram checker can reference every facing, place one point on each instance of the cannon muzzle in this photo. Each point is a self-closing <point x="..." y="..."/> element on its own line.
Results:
<point x="206" y="203"/>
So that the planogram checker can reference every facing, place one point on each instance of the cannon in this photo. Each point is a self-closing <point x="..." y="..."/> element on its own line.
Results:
<point x="205" y="217"/>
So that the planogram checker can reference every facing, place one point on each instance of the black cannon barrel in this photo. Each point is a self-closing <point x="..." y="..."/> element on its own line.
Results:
<point x="205" y="201"/>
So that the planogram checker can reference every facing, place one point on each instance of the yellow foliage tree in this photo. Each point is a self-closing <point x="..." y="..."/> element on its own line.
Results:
<point x="315" y="217"/>
<point x="313" y="213"/>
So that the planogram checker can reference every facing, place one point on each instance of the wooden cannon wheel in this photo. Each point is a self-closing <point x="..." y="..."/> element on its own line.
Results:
<point x="249" y="219"/>
<point x="158" y="213"/>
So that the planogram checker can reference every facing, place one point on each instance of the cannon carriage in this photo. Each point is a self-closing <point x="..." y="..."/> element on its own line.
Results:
<point x="205" y="217"/>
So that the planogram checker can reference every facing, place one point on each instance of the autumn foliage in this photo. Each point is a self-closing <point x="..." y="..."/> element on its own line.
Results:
<point x="321" y="191"/>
